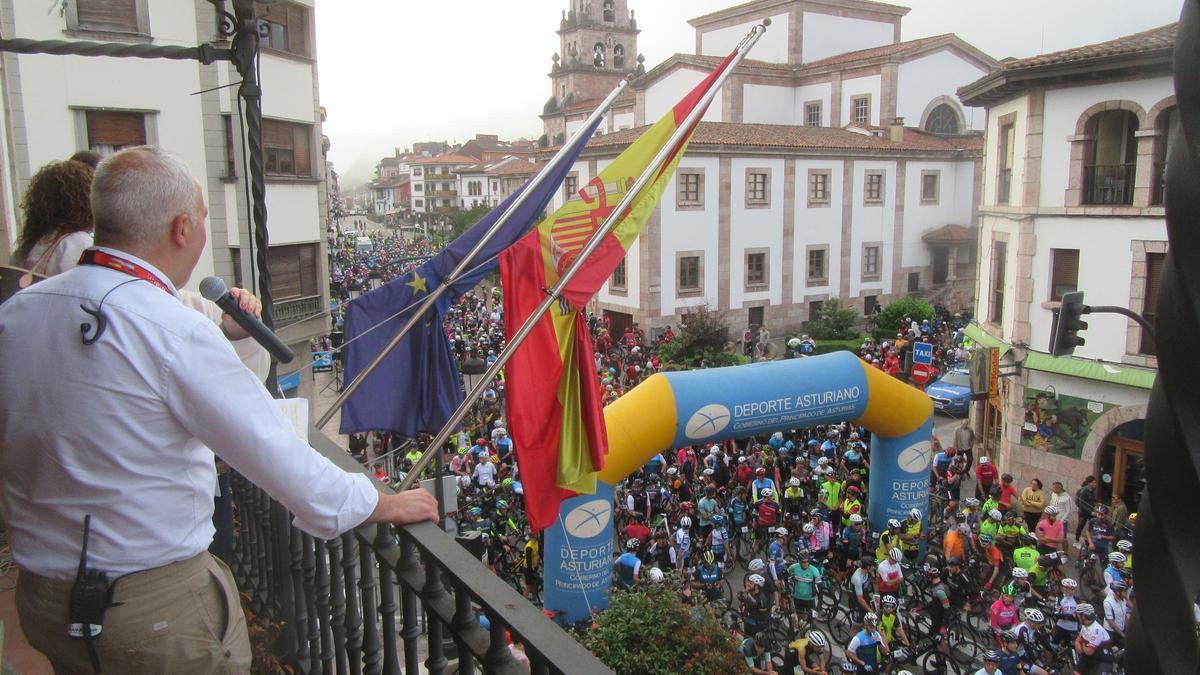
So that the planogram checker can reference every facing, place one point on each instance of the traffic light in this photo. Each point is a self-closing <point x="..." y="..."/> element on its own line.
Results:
<point x="1068" y="324"/>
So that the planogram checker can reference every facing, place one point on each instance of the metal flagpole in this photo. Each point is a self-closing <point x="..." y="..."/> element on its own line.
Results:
<point x="609" y="223"/>
<point x="580" y="137"/>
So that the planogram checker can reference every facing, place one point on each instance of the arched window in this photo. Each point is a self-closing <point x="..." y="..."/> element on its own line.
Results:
<point x="942" y="120"/>
<point x="619" y="57"/>
<point x="610" y="13"/>
<point x="1110" y="158"/>
<point x="1166" y="134"/>
<point x="598" y="59"/>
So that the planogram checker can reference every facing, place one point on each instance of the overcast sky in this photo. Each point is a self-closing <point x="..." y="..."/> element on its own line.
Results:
<point x="397" y="71"/>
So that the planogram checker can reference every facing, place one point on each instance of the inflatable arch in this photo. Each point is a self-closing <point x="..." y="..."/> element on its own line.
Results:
<point x="671" y="410"/>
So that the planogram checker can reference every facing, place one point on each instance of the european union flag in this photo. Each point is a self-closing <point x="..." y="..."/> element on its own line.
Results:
<point x="416" y="388"/>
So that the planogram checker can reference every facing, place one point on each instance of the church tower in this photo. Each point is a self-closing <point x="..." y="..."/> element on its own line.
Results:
<point x="597" y="47"/>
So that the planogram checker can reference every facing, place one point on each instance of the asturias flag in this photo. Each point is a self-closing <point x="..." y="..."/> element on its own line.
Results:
<point x="554" y="404"/>
<point x="416" y="388"/>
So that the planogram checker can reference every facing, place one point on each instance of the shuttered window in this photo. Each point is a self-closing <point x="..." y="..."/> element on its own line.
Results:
<point x="286" y="146"/>
<point x="119" y="16"/>
<point x="1064" y="272"/>
<point x="1155" y="266"/>
<point x="294" y="271"/>
<point x="287" y="26"/>
<point x="111" y="130"/>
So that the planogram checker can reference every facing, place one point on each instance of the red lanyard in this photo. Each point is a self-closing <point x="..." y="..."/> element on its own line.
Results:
<point x="94" y="256"/>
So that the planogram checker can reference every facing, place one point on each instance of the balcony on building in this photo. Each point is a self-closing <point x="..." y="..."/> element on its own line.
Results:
<point x="1110" y="164"/>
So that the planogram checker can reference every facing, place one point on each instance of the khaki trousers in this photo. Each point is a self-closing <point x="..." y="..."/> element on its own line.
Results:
<point x="181" y="618"/>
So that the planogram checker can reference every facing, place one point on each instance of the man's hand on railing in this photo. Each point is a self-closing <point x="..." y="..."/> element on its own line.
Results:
<point x="410" y="506"/>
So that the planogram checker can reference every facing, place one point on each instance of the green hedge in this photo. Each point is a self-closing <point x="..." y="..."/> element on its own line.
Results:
<point x="828" y="346"/>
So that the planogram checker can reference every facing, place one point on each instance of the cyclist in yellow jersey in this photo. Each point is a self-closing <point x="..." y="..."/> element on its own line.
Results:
<point x="890" y="623"/>
<point x="532" y="559"/>
<point x="889" y="539"/>
<point x="910" y="535"/>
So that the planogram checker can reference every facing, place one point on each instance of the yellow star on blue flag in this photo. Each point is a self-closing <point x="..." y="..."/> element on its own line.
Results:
<point x="417" y="283"/>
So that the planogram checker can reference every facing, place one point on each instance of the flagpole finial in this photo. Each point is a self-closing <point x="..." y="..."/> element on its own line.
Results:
<point x="766" y="22"/>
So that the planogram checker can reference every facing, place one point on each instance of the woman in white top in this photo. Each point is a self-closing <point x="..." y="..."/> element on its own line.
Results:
<point x="57" y="214"/>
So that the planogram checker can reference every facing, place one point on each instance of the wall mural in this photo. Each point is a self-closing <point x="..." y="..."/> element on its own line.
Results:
<point x="1059" y="423"/>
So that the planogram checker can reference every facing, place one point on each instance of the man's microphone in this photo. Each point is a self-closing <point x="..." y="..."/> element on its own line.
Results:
<point x="213" y="289"/>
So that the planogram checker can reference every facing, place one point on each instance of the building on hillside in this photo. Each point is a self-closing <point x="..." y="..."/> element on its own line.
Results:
<point x="819" y="172"/>
<point x="58" y="105"/>
<point x="1072" y="200"/>
<point x="489" y="148"/>
<point x="391" y="196"/>
<point x="488" y="184"/>
<point x="435" y="183"/>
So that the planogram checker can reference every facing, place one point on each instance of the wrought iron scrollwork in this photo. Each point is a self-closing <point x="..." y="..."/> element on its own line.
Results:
<point x="1167" y="540"/>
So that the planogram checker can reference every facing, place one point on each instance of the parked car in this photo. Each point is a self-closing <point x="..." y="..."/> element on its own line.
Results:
<point x="951" y="393"/>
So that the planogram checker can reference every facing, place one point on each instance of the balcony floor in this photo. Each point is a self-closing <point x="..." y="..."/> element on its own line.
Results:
<point x="18" y="656"/>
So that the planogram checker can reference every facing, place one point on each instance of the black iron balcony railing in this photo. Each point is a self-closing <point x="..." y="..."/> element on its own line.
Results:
<point x="297" y="309"/>
<point x="1004" y="188"/>
<point x="1108" y="184"/>
<point x="353" y="604"/>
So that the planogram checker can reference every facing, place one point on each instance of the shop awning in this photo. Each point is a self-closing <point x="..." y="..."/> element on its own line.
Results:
<point x="1116" y="373"/>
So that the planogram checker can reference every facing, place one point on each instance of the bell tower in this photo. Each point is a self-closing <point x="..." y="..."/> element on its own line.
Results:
<point x="597" y="47"/>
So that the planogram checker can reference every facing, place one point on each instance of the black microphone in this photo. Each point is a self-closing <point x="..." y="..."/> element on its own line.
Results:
<point x="213" y="288"/>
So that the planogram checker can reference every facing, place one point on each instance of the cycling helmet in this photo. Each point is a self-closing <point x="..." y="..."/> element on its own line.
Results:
<point x="632" y="544"/>
<point x="794" y="482"/>
<point x="687" y="506"/>
<point x="501" y="504"/>
<point x="718" y="519"/>
<point x="805" y="555"/>
<point x="815" y="513"/>
<point x="1085" y="609"/>
<point x="867" y="561"/>
<point x="710" y="557"/>
<point x="766" y="493"/>
<point x="816" y="639"/>
<point x="656" y="575"/>
<point x="985" y="539"/>
<point x="915" y="514"/>
<point x="1048" y="560"/>
<point x="1124" y="546"/>
<point x="1009" y="589"/>
<point x="896" y="555"/>
<point x="809" y="528"/>
<point x="995" y="514"/>
<point x="1035" y="615"/>
<point x="685" y="522"/>
<point x="756" y="579"/>
<point x="506" y="483"/>
<point x="1116" y="557"/>
<point x="991" y="656"/>
<point x="855" y="518"/>
<point x="781" y="532"/>
<point x="849" y="667"/>
<point x="971" y="502"/>
<point x="1050" y="510"/>
<point x="672" y="471"/>
<point x="1008" y="636"/>
<point x="707" y="472"/>
<point x="1118" y="585"/>
<point x="756" y="565"/>
<point x="475" y="511"/>
<point x="761" y="469"/>
<point x="1068" y="582"/>
<point x="889" y="600"/>
<point x="954" y="560"/>
<point x="871" y="618"/>
<point x="1020" y="573"/>
<point x="462" y="451"/>
<point x="893" y="523"/>
<point x="900" y="655"/>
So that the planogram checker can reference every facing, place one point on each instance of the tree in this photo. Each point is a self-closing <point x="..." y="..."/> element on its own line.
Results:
<point x="703" y="335"/>
<point x="914" y="308"/>
<point x="834" y="321"/>
<point x="463" y="220"/>
<point x="649" y="630"/>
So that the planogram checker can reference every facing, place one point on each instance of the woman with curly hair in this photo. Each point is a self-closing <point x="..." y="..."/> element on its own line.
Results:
<point x="57" y="214"/>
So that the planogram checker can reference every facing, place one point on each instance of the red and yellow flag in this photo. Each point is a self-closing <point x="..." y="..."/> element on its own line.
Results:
<point x="554" y="404"/>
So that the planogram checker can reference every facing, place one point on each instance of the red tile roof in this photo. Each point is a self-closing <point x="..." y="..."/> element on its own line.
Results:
<point x="451" y="159"/>
<point x="893" y="50"/>
<point x="793" y="137"/>
<point x="517" y="168"/>
<point x="1161" y="38"/>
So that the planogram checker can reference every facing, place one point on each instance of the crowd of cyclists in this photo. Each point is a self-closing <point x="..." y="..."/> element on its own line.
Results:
<point x="771" y="534"/>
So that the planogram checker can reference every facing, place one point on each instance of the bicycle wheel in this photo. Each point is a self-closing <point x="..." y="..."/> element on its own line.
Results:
<point x="777" y="640"/>
<point x="828" y="601"/>
<point x="726" y="596"/>
<point x="963" y="642"/>
<point x="841" y="627"/>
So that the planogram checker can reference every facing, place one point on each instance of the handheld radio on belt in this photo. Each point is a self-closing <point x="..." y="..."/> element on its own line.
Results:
<point x="91" y="595"/>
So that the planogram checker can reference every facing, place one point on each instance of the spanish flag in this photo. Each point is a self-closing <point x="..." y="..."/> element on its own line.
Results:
<point x="554" y="404"/>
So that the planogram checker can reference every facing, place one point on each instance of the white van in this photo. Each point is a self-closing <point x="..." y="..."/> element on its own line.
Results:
<point x="363" y="245"/>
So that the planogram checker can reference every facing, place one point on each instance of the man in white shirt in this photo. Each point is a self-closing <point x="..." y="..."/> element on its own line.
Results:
<point x="116" y="424"/>
<point x="485" y="472"/>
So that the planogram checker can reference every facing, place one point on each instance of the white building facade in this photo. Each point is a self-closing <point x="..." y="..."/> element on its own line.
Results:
<point x="817" y="173"/>
<point x="1072" y="200"/>
<point x="58" y="105"/>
